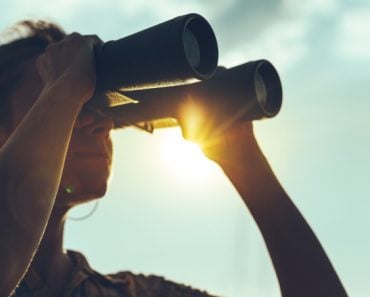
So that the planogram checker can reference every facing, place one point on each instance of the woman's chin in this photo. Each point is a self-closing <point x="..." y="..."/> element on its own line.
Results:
<point x="75" y="194"/>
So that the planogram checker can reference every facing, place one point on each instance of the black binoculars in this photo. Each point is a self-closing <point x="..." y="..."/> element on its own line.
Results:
<point x="147" y="78"/>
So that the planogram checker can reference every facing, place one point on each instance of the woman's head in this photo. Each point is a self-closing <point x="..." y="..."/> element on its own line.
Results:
<point x="88" y="159"/>
<point x="30" y="39"/>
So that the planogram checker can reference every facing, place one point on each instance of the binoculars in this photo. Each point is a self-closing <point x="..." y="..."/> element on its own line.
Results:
<point x="147" y="79"/>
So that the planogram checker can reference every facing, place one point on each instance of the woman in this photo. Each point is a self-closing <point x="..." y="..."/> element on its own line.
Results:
<point x="55" y="154"/>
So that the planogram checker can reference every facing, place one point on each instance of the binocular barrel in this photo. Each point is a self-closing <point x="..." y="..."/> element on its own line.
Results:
<point x="170" y="53"/>
<point x="246" y="92"/>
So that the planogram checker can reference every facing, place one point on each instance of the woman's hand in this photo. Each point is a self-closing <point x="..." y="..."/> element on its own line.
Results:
<point x="232" y="145"/>
<point x="69" y="65"/>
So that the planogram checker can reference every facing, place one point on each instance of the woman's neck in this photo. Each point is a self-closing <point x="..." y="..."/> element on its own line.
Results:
<point x="51" y="263"/>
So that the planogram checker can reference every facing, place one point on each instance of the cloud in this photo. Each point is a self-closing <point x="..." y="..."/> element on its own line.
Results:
<point x="280" y="32"/>
<point x="283" y="44"/>
<point x="312" y="8"/>
<point x="171" y="8"/>
<point x="353" y="34"/>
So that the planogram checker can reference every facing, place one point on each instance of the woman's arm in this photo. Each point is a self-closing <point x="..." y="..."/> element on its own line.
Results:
<point x="32" y="157"/>
<point x="301" y="264"/>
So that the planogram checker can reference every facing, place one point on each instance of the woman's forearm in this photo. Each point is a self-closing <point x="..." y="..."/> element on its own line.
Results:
<point x="31" y="164"/>
<point x="301" y="264"/>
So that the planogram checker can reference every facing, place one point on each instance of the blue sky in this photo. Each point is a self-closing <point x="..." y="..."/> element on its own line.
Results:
<point x="193" y="228"/>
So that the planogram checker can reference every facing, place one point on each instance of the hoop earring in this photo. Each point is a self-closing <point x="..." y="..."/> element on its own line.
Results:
<point x="86" y="216"/>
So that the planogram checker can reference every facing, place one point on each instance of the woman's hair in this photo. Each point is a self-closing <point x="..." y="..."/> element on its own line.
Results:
<point x="29" y="39"/>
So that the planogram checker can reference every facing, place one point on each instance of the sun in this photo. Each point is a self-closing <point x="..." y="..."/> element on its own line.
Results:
<point x="185" y="158"/>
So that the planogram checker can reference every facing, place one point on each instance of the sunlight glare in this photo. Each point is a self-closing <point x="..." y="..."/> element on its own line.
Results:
<point x="185" y="158"/>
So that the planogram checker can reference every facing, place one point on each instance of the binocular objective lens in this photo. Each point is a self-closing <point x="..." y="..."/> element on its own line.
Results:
<point x="192" y="50"/>
<point x="261" y="90"/>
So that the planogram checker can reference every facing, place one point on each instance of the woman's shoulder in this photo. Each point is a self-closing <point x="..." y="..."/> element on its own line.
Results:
<point x="154" y="285"/>
<point x="135" y="284"/>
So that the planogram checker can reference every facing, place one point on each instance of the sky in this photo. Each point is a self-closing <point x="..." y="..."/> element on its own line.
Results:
<point x="165" y="215"/>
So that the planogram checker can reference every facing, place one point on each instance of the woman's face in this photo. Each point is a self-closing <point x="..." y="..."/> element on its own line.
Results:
<point x="89" y="157"/>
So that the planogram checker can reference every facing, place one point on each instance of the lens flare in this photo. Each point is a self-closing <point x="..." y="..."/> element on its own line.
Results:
<point x="185" y="158"/>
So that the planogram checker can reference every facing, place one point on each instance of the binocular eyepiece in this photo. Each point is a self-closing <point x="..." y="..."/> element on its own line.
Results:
<point x="144" y="79"/>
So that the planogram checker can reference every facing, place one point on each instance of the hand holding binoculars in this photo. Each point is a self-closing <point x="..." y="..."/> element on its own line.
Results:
<point x="145" y="79"/>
